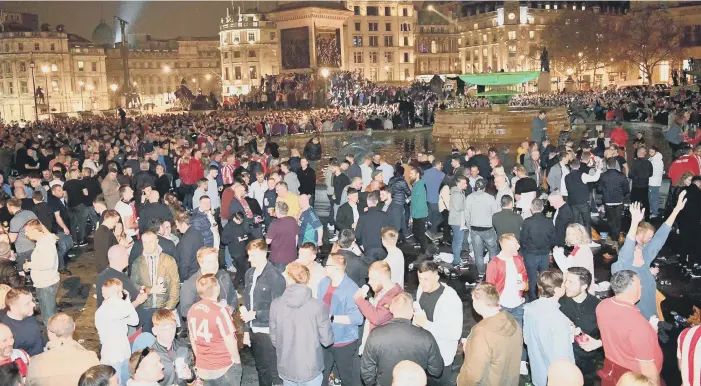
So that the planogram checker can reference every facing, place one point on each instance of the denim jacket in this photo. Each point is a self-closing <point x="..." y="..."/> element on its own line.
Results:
<point x="342" y="303"/>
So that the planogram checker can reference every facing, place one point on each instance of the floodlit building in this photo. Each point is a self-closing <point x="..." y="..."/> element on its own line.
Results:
<point x="380" y="39"/>
<point x="69" y="69"/>
<point x="157" y="67"/>
<point x="248" y="45"/>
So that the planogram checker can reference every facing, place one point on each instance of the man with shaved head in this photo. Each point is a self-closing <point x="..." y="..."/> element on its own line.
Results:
<point x="153" y="209"/>
<point x="118" y="258"/>
<point x="64" y="360"/>
<point x="408" y="373"/>
<point x="564" y="373"/>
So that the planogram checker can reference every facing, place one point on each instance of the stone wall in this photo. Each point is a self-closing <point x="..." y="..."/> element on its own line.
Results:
<point x="500" y="125"/>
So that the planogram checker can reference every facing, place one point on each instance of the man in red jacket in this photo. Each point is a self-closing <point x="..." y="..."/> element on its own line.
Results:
<point x="376" y="310"/>
<point x="619" y="136"/>
<point x="508" y="273"/>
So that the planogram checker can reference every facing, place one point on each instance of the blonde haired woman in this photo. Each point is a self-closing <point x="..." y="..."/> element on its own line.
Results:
<point x="576" y="236"/>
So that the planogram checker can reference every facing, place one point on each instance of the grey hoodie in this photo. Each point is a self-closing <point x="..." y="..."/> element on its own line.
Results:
<point x="299" y="328"/>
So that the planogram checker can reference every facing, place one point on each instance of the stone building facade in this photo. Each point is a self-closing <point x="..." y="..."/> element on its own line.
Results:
<point x="70" y="70"/>
<point x="158" y="66"/>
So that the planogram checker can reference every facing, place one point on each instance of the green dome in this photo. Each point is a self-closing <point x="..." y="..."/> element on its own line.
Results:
<point x="103" y="34"/>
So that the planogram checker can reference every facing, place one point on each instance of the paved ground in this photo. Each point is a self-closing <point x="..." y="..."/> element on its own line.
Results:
<point x="76" y="297"/>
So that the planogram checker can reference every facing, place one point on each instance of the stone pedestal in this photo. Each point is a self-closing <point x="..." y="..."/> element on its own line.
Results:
<point x="544" y="83"/>
<point x="311" y="35"/>
<point x="493" y="126"/>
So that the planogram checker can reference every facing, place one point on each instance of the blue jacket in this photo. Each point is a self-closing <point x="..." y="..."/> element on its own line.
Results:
<point x="342" y="303"/>
<point x="201" y="222"/>
<point x="433" y="178"/>
<point x="647" y="303"/>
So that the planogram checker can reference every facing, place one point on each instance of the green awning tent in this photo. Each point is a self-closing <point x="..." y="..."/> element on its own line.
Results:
<point x="500" y="78"/>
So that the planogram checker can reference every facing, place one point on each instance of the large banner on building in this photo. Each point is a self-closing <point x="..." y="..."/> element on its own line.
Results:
<point x="328" y="48"/>
<point x="295" y="48"/>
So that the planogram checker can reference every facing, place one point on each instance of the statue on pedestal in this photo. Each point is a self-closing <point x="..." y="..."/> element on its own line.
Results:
<point x="544" y="61"/>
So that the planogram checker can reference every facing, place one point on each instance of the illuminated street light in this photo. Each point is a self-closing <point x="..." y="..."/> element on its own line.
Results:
<point x="194" y="80"/>
<point x="570" y="71"/>
<point x="579" y="54"/>
<point x="325" y="72"/>
<point x="54" y="84"/>
<point x="45" y="69"/>
<point x="90" y="87"/>
<point x="208" y="76"/>
<point x="113" y="87"/>
<point x="81" y="83"/>
<point x="134" y="84"/>
<point x="430" y="8"/>
<point x="166" y="69"/>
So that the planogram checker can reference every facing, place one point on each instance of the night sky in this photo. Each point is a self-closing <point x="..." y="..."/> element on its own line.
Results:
<point x="161" y="19"/>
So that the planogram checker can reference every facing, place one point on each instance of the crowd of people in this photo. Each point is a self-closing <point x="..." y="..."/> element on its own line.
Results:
<point x="206" y="239"/>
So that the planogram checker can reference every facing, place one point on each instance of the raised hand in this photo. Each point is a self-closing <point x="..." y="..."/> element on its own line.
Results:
<point x="637" y="213"/>
<point x="681" y="201"/>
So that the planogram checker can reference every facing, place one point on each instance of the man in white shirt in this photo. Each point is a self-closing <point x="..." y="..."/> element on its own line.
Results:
<point x="212" y="188"/>
<point x="366" y="172"/>
<point x="112" y="321"/>
<point x="258" y="188"/>
<point x="395" y="257"/>
<point x="125" y="208"/>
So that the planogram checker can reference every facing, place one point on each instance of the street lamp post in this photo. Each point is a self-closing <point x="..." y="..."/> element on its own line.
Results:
<point x="82" y="104"/>
<point x="34" y="90"/>
<point x="90" y="88"/>
<point x="113" y="87"/>
<point x="325" y="74"/>
<point x="45" y="70"/>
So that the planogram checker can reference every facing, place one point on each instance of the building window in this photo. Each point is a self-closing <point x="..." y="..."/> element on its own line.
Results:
<point x="547" y="6"/>
<point x="357" y="41"/>
<point x="405" y="12"/>
<point x="512" y="49"/>
<point x="11" y="87"/>
<point x="388" y="57"/>
<point x="94" y="66"/>
<point x="406" y="41"/>
<point x="357" y="57"/>
<point x="226" y="73"/>
<point x="272" y="36"/>
<point x="22" y="67"/>
<point x="372" y="27"/>
<point x="237" y="54"/>
<point x="251" y="36"/>
<point x="406" y="73"/>
<point x="20" y="46"/>
<point x="237" y="73"/>
<point x="388" y="27"/>
<point x="388" y="11"/>
<point x="8" y="68"/>
<point x="356" y="10"/>
<point x="188" y="64"/>
<point x="406" y="57"/>
<point x="373" y="41"/>
<point x="389" y="41"/>
<point x="373" y="74"/>
<point x="226" y="55"/>
<point x="405" y="27"/>
<point x="512" y="35"/>
<point x="373" y="11"/>
<point x="531" y="34"/>
<point x="23" y="89"/>
<point x="36" y="46"/>
<point x="81" y="65"/>
<point x="373" y="57"/>
<point x="54" y="67"/>
<point x="7" y="47"/>
<point x="357" y="26"/>
<point x="252" y="73"/>
<point x="433" y="47"/>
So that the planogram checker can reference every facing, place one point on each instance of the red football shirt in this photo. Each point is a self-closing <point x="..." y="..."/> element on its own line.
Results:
<point x="683" y="164"/>
<point x="209" y="322"/>
<point x="627" y="336"/>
